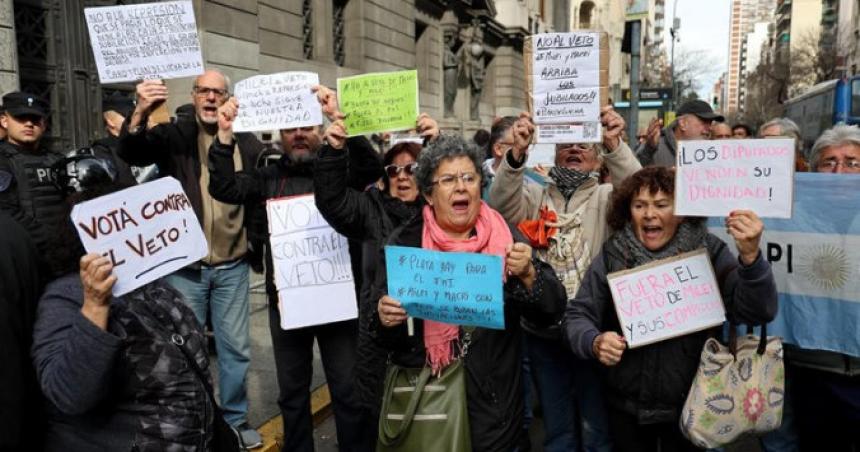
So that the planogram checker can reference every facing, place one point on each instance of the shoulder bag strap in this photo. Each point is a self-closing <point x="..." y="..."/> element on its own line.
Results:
<point x="387" y="435"/>
<point x="179" y="342"/>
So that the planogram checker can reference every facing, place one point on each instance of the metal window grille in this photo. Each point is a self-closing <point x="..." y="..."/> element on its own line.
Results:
<point x="339" y="32"/>
<point x="32" y="32"/>
<point x="308" y="29"/>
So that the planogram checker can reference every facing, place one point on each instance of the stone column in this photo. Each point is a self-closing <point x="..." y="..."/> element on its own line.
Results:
<point x="9" y="80"/>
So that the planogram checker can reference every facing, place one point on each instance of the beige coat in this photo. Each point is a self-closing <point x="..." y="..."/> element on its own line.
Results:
<point x="517" y="201"/>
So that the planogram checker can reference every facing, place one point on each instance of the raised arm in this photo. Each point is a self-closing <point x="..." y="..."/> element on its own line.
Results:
<point x="513" y="199"/>
<point x="349" y="211"/>
<point x="73" y="354"/>
<point x="138" y="145"/>
<point x="617" y="156"/>
<point x="748" y="289"/>
<point x="225" y="184"/>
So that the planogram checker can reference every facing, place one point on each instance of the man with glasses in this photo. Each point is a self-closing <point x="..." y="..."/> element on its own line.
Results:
<point x="27" y="190"/>
<point x="218" y="283"/>
<point x="822" y="403"/>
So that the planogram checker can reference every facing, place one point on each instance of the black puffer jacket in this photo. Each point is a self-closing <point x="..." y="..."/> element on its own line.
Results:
<point x="129" y="387"/>
<point x="493" y="364"/>
<point x="652" y="382"/>
<point x="367" y="217"/>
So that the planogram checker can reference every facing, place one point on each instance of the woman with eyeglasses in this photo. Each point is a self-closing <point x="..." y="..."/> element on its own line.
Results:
<point x="565" y="221"/>
<point x="368" y="216"/>
<point x="455" y="219"/>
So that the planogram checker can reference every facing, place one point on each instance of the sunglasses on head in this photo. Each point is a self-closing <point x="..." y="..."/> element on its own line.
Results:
<point x="394" y="170"/>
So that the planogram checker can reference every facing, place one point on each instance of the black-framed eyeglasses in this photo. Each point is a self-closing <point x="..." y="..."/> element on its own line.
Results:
<point x="393" y="170"/>
<point x="204" y="91"/>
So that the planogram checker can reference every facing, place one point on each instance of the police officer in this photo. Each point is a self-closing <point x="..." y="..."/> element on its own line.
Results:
<point x="2" y="129"/>
<point x="27" y="190"/>
<point x="115" y="108"/>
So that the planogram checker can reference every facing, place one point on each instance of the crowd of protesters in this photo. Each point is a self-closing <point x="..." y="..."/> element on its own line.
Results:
<point x="89" y="371"/>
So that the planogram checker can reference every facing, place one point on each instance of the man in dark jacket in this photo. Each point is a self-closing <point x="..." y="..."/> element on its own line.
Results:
<point x="20" y="422"/>
<point x="219" y="282"/>
<point x="293" y="175"/>
<point x="27" y="190"/>
<point x="693" y="123"/>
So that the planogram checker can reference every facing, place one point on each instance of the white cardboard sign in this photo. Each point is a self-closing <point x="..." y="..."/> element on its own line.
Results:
<point x="667" y="298"/>
<point x="277" y="101"/>
<point x="717" y="176"/>
<point x="312" y="267"/>
<point x="148" y="231"/>
<point x="566" y="86"/>
<point x="145" y="41"/>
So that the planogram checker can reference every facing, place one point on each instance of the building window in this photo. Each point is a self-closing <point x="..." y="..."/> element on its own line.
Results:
<point x="339" y="34"/>
<point x="585" y="11"/>
<point x="308" y="29"/>
<point x="32" y="32"/>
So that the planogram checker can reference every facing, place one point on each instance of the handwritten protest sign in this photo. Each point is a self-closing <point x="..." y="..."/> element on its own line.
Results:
<point x="277" y="101"/>
<point x="457" y="288"/>
<point x="715" y="177"/>
<point x="145" y="41"/>
<point x="379" y="102"/>
<point x="311" y="261"/>
<point x="667" y="298"/>
<point x="147" y="231"/>
<point x="566" y="85"/>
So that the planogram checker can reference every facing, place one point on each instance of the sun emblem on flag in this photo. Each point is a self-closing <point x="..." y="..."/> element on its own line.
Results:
<point x="826" y="266"/>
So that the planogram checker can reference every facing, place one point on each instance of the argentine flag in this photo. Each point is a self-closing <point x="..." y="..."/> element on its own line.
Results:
<point x="816" y="263"/>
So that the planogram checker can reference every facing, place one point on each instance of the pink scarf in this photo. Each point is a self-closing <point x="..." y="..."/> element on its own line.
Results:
<point x="492" y="237"/>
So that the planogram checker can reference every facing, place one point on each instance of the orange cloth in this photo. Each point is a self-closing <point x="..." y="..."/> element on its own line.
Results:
<point x="537" y="231"/>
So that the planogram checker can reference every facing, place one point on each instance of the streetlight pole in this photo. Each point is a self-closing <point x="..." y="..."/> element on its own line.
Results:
<point x="676" y="24"/>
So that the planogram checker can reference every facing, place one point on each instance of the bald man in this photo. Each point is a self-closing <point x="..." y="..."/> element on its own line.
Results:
<point x="218" y="284"/>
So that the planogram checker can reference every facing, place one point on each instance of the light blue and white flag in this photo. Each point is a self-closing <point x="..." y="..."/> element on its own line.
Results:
<point x="816" y="262"/>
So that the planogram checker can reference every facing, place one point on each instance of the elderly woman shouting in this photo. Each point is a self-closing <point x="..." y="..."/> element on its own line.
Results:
<point x="647" y="386"/>
<point x="455" y="219"/>
<point x="565" y="220"/>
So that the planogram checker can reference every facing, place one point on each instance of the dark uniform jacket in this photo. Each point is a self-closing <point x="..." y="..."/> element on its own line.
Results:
<point x="494" y="390"/>
<point x="20" y="420"/>
<point x="651" y="382"/>
<point x="106" y="148"/>
<point x="29" y="195"/>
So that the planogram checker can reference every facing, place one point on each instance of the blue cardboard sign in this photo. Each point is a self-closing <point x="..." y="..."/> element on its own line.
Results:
<point x="456" y="288"/>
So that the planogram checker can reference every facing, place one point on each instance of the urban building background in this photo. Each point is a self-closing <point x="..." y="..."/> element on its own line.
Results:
<point x="44" y="49"/>
<point x="779" y="49"/>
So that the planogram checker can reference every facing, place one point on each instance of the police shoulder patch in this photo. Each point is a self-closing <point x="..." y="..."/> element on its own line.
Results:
<point x="5" y="180"/>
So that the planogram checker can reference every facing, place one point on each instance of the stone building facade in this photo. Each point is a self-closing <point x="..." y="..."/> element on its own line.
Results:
<point x="44" y="48"/>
